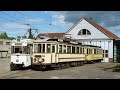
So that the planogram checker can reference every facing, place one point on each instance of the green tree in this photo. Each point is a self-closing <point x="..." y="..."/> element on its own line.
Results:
<point x="24" y="37"/>
<point x="5" y="36"/>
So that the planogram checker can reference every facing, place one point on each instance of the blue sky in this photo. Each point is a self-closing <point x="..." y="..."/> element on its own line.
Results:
<point x="15" y="22"/>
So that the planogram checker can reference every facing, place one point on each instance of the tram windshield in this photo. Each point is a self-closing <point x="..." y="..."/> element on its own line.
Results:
<point x="21" y="49"/>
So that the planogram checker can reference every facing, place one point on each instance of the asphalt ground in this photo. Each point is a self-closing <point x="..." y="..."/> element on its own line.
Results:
<point x="87" y="71"/>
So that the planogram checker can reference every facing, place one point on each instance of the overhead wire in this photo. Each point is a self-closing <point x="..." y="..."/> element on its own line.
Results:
<point x="21" y="22"/>
<point x="13" y="17"/>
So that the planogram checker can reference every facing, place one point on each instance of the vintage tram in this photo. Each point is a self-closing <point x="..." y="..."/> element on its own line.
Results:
<point x="21" y="53"/>
<point x="60" y="53"/>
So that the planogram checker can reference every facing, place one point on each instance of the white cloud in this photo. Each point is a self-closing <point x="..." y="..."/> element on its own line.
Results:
<point x="14" y="26"/>
<point x="14" y="29"/>
<point x="2" y="30"/>
<point x="35" y="20"/>
<point x="115" y="30"/>
<point x="59" y="20"/>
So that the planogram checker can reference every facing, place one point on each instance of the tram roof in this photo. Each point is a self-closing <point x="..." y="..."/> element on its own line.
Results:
<point x="55" y="42"/>
<point x="18" y="40"/>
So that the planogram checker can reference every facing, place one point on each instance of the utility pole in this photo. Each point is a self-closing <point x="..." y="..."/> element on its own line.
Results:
<point x="30" y="33"/>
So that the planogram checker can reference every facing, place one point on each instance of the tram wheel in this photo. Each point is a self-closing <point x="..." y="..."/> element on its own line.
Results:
<point x="12" y="67"/>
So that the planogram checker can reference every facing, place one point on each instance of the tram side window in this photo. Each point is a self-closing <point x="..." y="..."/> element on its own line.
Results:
<point x="73" y="49"/>
<point x="48" y="48"/>
<point x="80" y="50"/>
<point x="39" y="48"/>
<point x="100" y="51"/>
<point x="77" y="49"/>
<point x="68" y="49"/>
<point x="64" y="48"/>
<point x="53" y="49"/>
<point x="87" y="51"/>
<point x="97" y="51"/>
<point x="36" y="48"/>
<point x="43" y="48"/>
<point x="83" y="51"/>
<point x="90" y="51"/>
<point x="94" y="51"/>
<point x="60" y="48"/>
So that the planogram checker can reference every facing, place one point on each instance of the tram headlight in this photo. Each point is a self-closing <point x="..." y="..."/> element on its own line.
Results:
<point x="17" y="60"/>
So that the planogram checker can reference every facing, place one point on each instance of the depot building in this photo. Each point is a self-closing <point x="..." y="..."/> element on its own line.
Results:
<point x="90" y="33"/>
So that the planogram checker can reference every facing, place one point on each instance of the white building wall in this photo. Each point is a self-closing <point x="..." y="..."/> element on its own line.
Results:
<point x="111" y="49"/>
<point x="95" y="33"/>
<point x="96" y="38"/>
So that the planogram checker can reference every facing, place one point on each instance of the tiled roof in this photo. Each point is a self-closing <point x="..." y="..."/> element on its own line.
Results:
<point x="103" y="30"/>
<point x="59" y="35"/>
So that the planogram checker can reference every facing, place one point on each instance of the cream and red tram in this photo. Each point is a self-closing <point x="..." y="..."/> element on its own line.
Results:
<point x="49" y="53"/>
<point x="21" y="53"/>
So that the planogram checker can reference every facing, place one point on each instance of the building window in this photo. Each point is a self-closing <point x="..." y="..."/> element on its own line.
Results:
<point x="105" y="53"/>
<point x="1" y="42"/>
<point x="7" y="43"/>
<point x="84" y="32"/>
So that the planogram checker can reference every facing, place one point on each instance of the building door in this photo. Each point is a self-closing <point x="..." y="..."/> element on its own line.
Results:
<point x="117" y="51"/>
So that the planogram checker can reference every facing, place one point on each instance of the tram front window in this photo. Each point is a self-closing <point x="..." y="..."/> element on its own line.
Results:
<point x="20" y="49"/>
<point x="26" y="50"/>
<point x="16" y="49"/>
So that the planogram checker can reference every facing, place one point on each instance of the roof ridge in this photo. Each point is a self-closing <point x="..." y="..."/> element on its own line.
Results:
<point x="105" y="31"/>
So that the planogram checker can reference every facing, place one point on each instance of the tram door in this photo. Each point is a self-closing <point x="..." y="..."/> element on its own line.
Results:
<point x="53" y="55"/>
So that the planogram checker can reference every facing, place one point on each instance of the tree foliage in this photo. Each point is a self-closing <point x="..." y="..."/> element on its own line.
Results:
<point x="5" y="36"/>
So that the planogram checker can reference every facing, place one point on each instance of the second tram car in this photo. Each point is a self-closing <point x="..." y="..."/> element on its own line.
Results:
<point x="47" y="54"/>
<point x="21" y="53"/>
